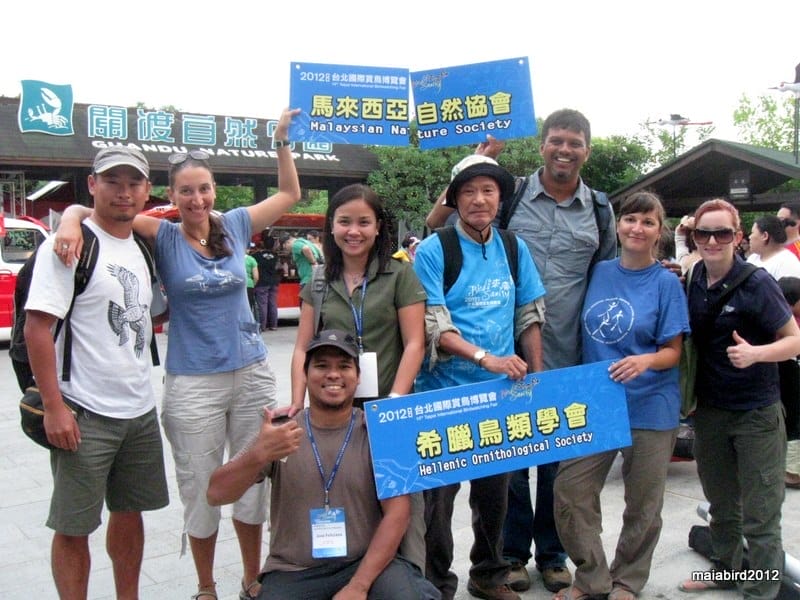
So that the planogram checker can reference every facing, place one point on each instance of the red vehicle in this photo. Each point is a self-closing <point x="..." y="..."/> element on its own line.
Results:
<point x="295" y="223"/>
<point x="20" y="238"/>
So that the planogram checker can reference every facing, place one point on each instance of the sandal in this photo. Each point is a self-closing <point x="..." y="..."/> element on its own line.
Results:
<point x="246" y="594"/>
<point x="571" y="593"/>
<point x="207" y="592"/>
<point x="621" y="593"/>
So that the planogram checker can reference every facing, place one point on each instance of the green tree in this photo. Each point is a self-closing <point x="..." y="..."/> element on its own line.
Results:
<point x="766" y="121"/>
<point x="409" y="179"/>
<point x="666" y="143"/>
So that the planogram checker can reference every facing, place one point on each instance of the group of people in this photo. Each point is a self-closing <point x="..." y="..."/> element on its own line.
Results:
<point x="522" y="300"/>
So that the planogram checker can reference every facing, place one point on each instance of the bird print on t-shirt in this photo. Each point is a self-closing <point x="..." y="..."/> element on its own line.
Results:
<point x="133" y="314"/>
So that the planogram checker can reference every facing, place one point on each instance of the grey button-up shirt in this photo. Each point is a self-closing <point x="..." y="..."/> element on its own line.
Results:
<point x="562" y="238"/>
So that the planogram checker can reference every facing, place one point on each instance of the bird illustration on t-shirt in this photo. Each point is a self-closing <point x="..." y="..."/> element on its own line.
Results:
<point x="133" y="314"/>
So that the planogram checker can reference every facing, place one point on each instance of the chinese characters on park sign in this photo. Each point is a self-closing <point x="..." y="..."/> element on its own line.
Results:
<point x="435" y="438"/>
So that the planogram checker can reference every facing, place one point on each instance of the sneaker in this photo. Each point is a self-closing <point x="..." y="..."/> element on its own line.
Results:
<point x="556" y="578"/>
<point x="518" y="578"/>
<point x="499" y="592"/>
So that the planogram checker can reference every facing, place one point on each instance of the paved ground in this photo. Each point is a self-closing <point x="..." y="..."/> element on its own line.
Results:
<point x="25" y="487"/>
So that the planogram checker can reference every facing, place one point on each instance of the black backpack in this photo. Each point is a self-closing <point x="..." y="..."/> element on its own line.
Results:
<point x="18" y="349"/>
<point x="453" y="259"/>
<point x="602" y="210"/>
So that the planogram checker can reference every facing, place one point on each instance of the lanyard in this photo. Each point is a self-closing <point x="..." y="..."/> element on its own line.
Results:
<point x="358" y="316"/>
<point x="327" y="486"/>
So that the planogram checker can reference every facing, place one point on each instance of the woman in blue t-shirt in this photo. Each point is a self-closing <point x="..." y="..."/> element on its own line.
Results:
<point x="635" y="314"/>
<point x="218" y="379"/>
<point x="740" y="440"/>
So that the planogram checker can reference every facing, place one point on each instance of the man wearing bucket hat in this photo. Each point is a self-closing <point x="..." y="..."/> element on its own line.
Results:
<point x="109" y="447"/>
<point x="469" y="339"/>
<point x="568" y="227"/>
<point x="330" y="536"/>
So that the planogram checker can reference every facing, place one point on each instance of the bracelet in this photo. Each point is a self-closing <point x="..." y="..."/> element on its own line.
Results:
<point x="281" y="143"/>
<point x="393" y="395"/>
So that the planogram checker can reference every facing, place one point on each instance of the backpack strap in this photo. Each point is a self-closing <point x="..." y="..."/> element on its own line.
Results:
<point x="319" y="289"/>
<point x="511" y="245"/>
<point x="451" y="253"/>
<point x="602" y="217"/>
<point x="507" y="208"/>
<point x="83" y="272"/>
<point x="730" y="287"/>
<point x="144" y="248"/>
<point x="453" y="259"/>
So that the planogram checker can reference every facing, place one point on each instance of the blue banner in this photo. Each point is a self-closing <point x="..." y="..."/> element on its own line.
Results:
<point x="461" y="105"/>
<point x="345" y="104"/>
<point x="427" y="440"/>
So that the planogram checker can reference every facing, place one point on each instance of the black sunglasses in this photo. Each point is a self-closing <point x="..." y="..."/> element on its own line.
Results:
<point x="723" y="236"/>
<point x="179" y="157"/>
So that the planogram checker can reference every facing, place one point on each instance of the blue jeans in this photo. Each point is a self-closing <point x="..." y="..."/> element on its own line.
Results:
<point x="522" y="528"/>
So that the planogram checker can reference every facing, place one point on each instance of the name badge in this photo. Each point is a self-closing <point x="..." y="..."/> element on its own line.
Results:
<point x="328" y="533"/>
<point x="368" y="385"/>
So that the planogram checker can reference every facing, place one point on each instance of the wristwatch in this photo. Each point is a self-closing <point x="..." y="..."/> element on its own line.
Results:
<point x="479" y="356"/>
<point x="281" y="143"/>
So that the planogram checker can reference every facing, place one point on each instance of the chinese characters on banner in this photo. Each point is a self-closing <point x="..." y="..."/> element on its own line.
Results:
<point x="461" y="105"/>
<point x="346" y="104"/>
<point x="426" y="440"/>
<point x="349" y="104"/>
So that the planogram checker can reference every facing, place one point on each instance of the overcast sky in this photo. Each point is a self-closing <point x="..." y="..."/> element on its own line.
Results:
<point x="621" y="63"/>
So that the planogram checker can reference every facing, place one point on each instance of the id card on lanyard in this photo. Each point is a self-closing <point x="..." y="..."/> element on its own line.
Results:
<point x="328" y="524"/>
<point x="367" y="361"/>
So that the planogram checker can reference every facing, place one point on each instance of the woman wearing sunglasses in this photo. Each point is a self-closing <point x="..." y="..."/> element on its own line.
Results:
<point x="218" y="378"/>
<point x="740" y="441"/>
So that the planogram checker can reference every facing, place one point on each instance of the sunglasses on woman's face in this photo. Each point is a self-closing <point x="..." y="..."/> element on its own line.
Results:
<point x="179" y="157"/>
<point x="723" y="236"/>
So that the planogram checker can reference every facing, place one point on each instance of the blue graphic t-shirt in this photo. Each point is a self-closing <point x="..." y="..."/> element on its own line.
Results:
<point x="211" y="328"/>
<point x="481" y="302"/>
<point x="635" y="312"/>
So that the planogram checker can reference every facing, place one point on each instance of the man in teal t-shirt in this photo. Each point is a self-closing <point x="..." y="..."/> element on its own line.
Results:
<point x="304" y="254"/>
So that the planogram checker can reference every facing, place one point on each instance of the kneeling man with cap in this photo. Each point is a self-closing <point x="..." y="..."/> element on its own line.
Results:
<point x="330" y="536"/>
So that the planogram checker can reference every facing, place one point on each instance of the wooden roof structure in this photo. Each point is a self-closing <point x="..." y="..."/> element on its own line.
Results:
<point x="741" y="173"/>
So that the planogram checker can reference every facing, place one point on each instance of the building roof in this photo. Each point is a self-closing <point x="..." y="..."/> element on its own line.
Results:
<point x="705" y="171"/>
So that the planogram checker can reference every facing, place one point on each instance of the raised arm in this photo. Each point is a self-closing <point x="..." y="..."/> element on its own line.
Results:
<point x="266" y="212"/>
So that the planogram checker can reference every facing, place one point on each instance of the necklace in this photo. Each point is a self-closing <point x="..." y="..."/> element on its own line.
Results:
<point x="354" y="279"/>
<point x="202" y="241"/>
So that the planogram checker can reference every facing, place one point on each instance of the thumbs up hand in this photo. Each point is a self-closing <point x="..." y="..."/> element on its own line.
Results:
<point x="742" y="354"/>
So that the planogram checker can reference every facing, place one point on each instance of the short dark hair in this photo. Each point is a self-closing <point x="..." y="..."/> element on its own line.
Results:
<point x="790" y="286"/>
<point x="793" y="208"/>
<point x="567" y="118"/>
<point x="773" y="227"/>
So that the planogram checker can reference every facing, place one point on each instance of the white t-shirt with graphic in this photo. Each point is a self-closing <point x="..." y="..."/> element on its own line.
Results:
<point x="111" y="326"/>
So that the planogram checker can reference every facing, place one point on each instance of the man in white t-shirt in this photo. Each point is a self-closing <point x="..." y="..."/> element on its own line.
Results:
<point x="107" y="442"/>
